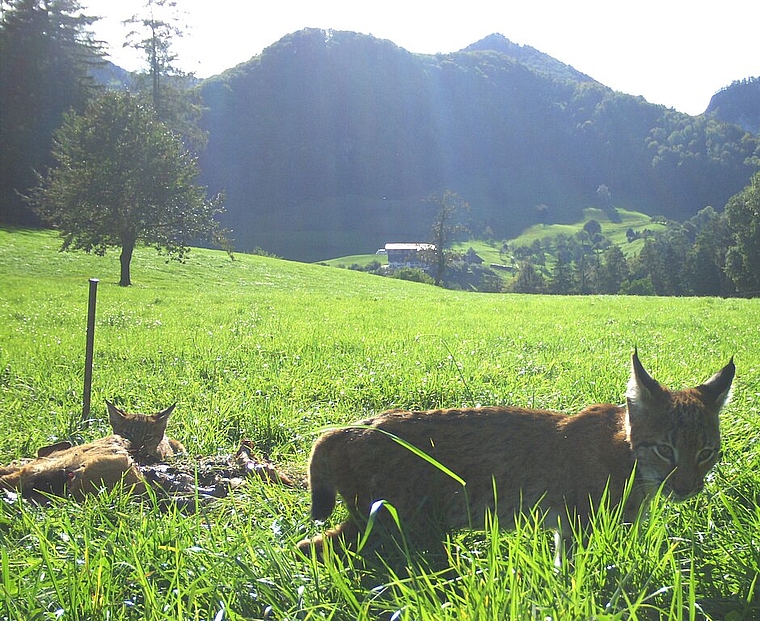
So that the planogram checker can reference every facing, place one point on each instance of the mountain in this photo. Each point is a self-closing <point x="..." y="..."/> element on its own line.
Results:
<point x="111" y="76"/>
<point x="328" y="142"/>
<point x="738" y="103"/>
<point x="528" y="56"/>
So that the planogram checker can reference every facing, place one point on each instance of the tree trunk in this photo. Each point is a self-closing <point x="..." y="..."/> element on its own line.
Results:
<point x="126" y="258"/>
<point x="440" y="266"/>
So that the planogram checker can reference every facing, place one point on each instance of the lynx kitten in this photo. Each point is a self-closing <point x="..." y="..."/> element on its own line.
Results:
<point x="513" y="459"/>
<point x="62" y="469"/>
<point x="145" y="433"/>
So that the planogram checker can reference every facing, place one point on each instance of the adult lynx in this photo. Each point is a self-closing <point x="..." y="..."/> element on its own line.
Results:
<point x="513" y="459"/>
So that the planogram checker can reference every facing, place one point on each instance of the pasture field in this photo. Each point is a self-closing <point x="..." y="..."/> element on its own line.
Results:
<point x="614" y="231"/>
<point x="273" y="351"/>
<point x="489" y="250"/>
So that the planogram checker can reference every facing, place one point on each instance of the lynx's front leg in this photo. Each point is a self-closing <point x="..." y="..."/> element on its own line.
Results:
<point x="342" y="537"/>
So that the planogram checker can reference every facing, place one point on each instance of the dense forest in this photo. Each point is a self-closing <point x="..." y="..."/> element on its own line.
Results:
<point x="47" y="63"/>
<point x="327" y="142"/>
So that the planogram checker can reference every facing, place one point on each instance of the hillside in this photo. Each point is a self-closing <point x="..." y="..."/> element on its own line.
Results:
<point x="327" y="143"/>
<point x="738" y="103"/>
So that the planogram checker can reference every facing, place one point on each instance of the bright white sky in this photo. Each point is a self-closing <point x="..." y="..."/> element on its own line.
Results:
<point x="673" y="52"/>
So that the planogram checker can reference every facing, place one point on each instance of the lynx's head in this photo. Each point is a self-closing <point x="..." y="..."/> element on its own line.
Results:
<point x="675" y="435"/>
<point x="144" y="432"/>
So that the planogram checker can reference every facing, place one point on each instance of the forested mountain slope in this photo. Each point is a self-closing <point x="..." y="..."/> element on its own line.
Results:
<point x="738" y="103"/>
<point x="327" y="142"/>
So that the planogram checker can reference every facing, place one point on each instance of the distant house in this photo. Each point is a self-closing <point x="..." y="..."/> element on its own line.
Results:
<point x="408" y="255"/>
<point x="472" y="257"/>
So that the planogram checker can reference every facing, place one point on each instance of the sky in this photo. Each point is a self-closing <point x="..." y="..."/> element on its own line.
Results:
<point x="677" y="53"/>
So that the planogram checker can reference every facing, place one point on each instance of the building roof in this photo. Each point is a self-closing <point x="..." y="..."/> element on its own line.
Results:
<point x="418" y="246"/>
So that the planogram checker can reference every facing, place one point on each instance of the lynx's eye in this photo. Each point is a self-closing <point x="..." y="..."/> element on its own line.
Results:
<point x="665" y="452"/>
<point x="705" y="455"/>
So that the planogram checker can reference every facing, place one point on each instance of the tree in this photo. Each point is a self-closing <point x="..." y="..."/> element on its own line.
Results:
<point x="122" y="178"/>
<point x="706" y="261"/>
<point x="561" y="281"/>
<point x="605" y="199"/>
<point x="157" y="36"/>
<point x="743" y="257"/>
<point x="445" y="228"/>
<point x="47" y="52"/>
<point x="588" y="270"/>
<point x="529" y="279"/>
<point x="613" y="271"/>
<point x="593" y="228"/>
<point x="168" y="88"/>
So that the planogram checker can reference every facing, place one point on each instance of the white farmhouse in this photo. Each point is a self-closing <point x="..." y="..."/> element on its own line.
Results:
<point x="413" y="254"/>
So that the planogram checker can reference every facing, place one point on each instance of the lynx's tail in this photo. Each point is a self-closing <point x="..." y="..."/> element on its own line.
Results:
<point x="323" y="491"/>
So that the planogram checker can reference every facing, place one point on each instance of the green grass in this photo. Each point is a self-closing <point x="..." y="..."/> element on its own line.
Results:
<point x="615" y="231"/>
<point x="273" y="351"/>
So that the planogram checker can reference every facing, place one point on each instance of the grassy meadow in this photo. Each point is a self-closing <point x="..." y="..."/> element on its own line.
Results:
<point x="273" y="351"/>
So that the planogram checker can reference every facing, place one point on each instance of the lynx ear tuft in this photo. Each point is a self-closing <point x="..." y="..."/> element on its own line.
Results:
<point x="162" y="418"/>
<point x="641" y="387"/>
<point x="167" y="412"/>
<point x="717" y="390"/>
<point x="114" y="413"/>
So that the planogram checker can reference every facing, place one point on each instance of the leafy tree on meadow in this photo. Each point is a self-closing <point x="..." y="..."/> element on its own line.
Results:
<point x="504" y="256"/>
<point x="604" y="196"/>
<point x="122" y="177"/>
<point x="46" y="55"/>
<point x="592" y="227"/>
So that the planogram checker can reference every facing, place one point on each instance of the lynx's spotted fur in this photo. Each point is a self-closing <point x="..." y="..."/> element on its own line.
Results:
<point x="563" y="464"/>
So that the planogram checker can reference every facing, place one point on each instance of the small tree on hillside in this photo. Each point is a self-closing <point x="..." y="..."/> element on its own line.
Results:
<point x="122" y="178"/>
<point x="605" y="199"/>
<point x="445" y="228"/>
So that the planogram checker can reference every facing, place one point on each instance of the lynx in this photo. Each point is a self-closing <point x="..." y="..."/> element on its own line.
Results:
<point x="75" y="471"/>
<point x="146" y="434"/>
<point x="62" y="469"/>
<point x="514" y="459"/>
